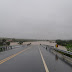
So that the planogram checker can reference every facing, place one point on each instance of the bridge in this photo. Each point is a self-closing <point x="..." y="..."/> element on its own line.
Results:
<point x="35" y="58"/>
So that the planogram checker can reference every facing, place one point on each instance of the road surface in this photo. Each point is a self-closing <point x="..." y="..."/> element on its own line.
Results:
<point x="33" y="58"/>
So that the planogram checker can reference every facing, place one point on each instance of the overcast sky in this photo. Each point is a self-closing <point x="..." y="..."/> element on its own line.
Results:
<point x="36" y="19"/>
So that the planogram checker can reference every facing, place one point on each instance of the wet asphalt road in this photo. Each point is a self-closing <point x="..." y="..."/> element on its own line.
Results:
<point x="30" y="60"/>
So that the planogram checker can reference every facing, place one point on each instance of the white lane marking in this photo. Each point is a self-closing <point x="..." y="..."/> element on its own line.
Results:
<point x="46" y="68"/>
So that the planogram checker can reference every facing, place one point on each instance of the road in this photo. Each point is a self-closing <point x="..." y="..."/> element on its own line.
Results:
<point x="33" y="58"/>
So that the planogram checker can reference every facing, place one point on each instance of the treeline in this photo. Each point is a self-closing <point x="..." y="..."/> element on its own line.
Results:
<point x="17" y="40"/>
<point x="66" y="43"/>
<point x="63" y="42"/>
<point x="4" y="42"/>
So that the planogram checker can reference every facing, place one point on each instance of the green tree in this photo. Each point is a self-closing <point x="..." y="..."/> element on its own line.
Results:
<point x="3" y="40"/>
<point x="1" y="43"/>
<point x="20" y="42"/>
<point x="8" y="43"/>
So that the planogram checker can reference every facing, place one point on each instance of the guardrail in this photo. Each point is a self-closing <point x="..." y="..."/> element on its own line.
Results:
<point x="3" y="48"/>
<point x="65" y="55"/>
<point x="52" y="47"/>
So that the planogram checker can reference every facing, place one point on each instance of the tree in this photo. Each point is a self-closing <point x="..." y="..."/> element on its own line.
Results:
<point x="3" y="40"/>
<point x="20" y="42"/>
<point x="1" y="43"/>
<point x="8" y="43"/>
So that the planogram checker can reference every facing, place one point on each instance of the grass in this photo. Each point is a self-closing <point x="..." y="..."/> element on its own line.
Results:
<point x="64" y="53"/>
<point x="69" y="47"/>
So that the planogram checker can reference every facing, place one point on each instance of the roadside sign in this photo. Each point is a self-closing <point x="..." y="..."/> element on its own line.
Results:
<point x="56" y="45"/>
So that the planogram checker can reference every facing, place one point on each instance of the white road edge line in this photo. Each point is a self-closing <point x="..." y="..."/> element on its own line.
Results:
<point x="46" y="68"/>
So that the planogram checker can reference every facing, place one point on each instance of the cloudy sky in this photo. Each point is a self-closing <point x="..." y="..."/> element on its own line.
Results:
<point x="36" y="19"/>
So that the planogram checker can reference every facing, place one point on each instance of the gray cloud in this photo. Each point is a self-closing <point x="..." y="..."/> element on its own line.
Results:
<point x="37" y="19"/>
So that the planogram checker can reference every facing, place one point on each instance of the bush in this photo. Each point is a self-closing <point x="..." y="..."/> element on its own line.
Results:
<point x="1" y="43"/>
<point x="20" y="43"/>
<point x="8" y="43"/>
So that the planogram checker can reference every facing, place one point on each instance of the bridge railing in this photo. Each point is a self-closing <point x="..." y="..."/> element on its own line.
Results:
<point x="65" y="55"/>
<point x="3" y="48"/>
